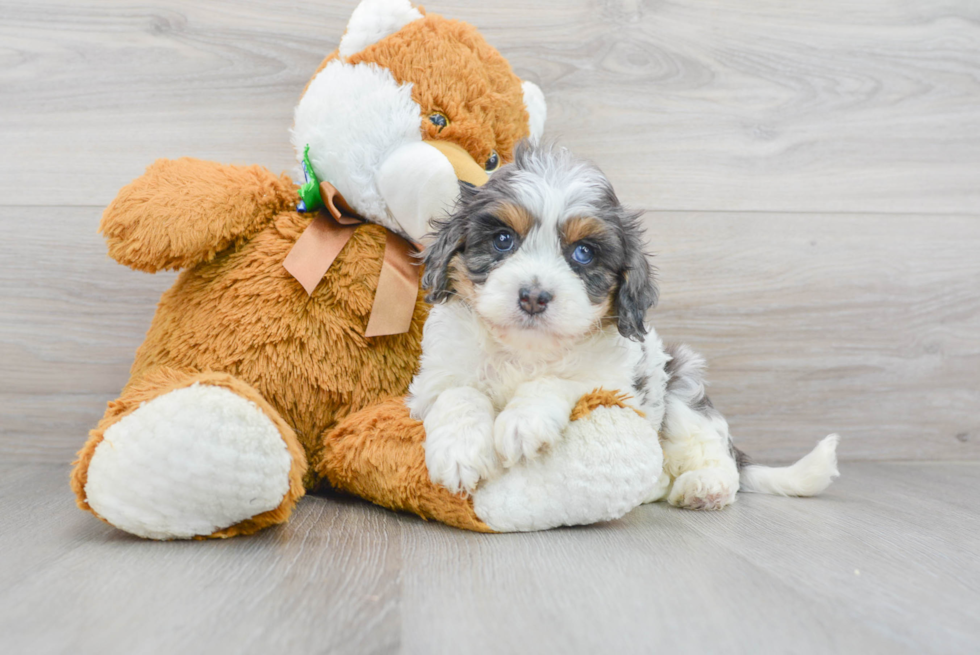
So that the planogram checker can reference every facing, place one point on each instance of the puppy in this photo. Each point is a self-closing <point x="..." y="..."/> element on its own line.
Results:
<point x="540" y="287"/>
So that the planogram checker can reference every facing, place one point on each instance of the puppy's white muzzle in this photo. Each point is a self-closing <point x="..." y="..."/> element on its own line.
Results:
<point x="536" y="290"/>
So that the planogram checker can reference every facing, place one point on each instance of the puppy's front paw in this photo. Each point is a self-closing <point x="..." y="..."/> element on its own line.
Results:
<point x="525" y="429"/>
<point x="459" y="442"/>
<point x="710" y="488"/>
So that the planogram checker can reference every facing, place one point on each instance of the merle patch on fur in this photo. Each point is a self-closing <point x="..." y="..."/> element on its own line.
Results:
<point x="467" y="233"/>
<point x="685" y="381"/>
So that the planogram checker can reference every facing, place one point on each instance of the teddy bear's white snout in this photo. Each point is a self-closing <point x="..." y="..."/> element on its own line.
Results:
<point x="418" y="184"/>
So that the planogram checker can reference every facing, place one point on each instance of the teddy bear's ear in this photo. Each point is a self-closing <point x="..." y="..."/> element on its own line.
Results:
<point x="537" y="110"/>
<point x="373" y="20"/>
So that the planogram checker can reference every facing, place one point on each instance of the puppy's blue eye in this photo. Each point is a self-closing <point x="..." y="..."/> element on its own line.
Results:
<point x="583" y="254"/>
<point x="503" y="241"/>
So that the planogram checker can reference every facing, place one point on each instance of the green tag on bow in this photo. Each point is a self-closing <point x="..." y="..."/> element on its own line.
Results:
<point x="309" y="193"/>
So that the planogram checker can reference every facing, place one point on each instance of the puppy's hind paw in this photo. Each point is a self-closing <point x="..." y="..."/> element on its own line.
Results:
<point x="705" y="489"/>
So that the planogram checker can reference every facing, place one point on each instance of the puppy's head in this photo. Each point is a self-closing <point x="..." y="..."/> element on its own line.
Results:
<point x="545" y="247"/>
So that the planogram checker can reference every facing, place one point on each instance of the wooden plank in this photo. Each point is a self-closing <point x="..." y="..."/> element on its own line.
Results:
<point x="865" y="325"/>
<point x="878" y="564"/>
<point x="48" y="428"/>
<point x="72" y="317"/>
<point x="645" y="584"/>
<point x="689" y="105"/>
<point x="874" y="549"/>
<point x="326" y="582"/>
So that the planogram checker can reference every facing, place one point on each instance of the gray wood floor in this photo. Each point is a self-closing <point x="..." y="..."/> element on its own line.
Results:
<point x="886" y="562"/>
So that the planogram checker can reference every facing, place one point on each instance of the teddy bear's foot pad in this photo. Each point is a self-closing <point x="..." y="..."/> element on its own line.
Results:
<point x="188" y="463"/>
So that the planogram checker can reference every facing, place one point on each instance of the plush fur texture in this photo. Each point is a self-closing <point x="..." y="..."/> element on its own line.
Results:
<point x="601" y="468"/>
<point x="183" y="212"/>
<point x="243" y="314"/>
<point x="161" y="382"/>
<point x="373" y="20"/>
<point x="241" y="465"/>
<point x="361" y="111"/>
<point x="378" y="454"/>
<point x="353" y="118"/>
<point x="236" y="319"/>
<point x="486" y="113"/>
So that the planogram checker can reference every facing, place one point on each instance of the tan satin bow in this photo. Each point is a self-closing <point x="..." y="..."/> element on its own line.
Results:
<point x="321" y="242"/>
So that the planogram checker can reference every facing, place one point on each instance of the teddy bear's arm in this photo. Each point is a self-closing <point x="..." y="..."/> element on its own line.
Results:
<point x="184" y="211"/>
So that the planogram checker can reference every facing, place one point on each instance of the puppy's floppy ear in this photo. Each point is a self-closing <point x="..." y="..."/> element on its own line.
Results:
<point x="467" y="191"/>
<point x="637" y="290"/>
<point x="450" y="238"/>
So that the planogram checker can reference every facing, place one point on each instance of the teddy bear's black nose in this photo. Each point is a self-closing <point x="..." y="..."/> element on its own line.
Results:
<point x="534" y="300"/>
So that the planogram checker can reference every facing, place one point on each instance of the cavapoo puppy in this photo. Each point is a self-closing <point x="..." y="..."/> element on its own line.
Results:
<point x="541" y="288"/>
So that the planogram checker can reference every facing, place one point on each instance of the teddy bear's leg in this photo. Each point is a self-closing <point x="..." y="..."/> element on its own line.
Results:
<point x="607" y="462"/>
<point x="190" y="455"/>
<point x="379" y="454"/>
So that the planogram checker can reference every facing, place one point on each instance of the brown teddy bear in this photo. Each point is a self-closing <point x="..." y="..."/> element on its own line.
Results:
<point x="266" y="368"/>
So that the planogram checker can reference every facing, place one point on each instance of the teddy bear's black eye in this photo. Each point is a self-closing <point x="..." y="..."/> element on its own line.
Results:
<point x="439" y="120"/>
<point x="493" y="161"/>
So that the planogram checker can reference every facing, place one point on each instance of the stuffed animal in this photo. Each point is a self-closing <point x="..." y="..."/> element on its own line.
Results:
<point x="279" y="359"/>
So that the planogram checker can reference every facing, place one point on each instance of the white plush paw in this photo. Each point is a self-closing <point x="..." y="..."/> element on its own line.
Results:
<point x="709" y="488"/>
<point x="188" y="463"/>
<point x="659" y="490"/>
<point x="459" y="440"/>
<point x="527" y="428"/>
<point x="604" y="465"/>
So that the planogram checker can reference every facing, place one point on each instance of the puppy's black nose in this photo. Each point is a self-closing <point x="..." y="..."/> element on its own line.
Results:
<point x="534" y="300"/>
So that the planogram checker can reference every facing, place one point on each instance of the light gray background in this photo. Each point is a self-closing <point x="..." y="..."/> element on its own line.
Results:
<point x="811" y="172"/>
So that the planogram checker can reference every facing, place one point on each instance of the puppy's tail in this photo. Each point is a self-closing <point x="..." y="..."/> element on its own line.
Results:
<point x="807" y="477"/>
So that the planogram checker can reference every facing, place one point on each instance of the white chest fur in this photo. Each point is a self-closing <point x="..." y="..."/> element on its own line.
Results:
<point x="602" y="467"/>
<point x="459" y="350"/>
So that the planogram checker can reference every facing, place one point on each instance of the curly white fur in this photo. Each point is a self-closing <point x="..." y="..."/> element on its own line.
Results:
<point x="602" y="468"/>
